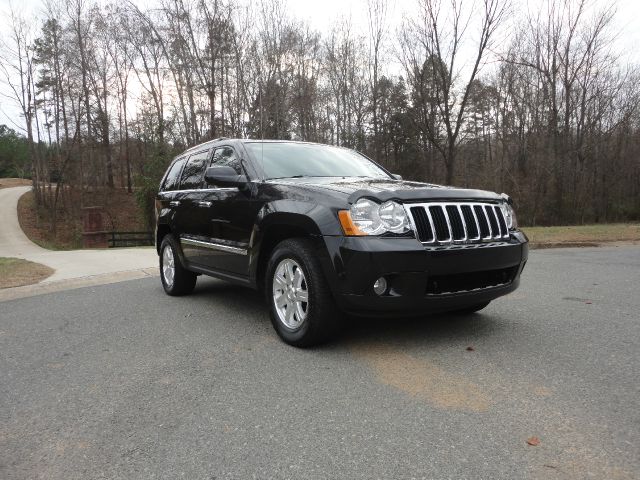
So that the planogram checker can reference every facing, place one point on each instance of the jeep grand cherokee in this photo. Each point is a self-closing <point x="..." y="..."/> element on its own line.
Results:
<point x="324" y="230"/>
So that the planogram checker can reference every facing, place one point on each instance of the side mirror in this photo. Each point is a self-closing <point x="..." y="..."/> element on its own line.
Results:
<point x="397" y="176"/>
<point x="224" y="176"/>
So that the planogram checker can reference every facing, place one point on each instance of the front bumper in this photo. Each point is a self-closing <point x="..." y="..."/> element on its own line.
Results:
<point x="421" y="279"/>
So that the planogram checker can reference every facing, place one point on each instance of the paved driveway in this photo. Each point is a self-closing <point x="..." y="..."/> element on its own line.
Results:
<point x="72" y="264"/>
<point x="122" y="381"/>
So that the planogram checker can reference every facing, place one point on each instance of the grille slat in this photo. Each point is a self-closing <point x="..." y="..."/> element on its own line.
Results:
<point x="485" y="231"/>
<point x="501" y="221"/>
<point x="493" y="221"/>
<point x="423" y="225"/>
<point x="440" y="223"/>
<point x="471" y="222"/>
<point x="457" y="222"/>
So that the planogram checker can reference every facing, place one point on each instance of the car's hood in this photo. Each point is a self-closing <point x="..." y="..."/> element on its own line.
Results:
<point x="388" y="189"/>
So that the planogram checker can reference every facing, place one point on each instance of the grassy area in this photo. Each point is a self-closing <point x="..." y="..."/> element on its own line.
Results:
<point x="14" y="182"/>
<point x="15" y="272"/>
<point x="583" y="234"/>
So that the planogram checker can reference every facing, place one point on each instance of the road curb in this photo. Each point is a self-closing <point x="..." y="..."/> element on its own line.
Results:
<point x="73" y="283"/>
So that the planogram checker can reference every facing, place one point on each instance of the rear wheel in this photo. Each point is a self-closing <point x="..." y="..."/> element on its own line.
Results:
<point x="176" y="280"/>
<point x="303" y="311"/>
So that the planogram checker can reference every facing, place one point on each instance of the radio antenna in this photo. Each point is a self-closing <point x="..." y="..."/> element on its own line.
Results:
<point x="261" y="133"/>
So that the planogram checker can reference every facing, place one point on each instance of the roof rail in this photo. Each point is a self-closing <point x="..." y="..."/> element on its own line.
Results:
<point x="205" y="143"/>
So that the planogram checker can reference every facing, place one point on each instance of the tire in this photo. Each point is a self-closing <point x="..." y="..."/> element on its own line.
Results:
<point x="296" y="272"/>
<point x="182" y="281"/>
<point x="471" y="309"/>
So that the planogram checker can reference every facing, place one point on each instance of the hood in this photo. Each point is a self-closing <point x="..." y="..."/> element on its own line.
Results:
<point x="388" y="189"/>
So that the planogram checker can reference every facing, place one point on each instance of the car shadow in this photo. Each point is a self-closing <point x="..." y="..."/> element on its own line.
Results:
<point x="230" y="296"/>
<point x="422" y="330"/>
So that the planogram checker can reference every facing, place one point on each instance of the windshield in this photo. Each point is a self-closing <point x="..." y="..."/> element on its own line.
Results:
<point x="287" y="160"/>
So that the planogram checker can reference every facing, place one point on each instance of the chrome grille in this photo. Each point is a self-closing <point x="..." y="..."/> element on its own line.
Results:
<point x="457" y="222"/>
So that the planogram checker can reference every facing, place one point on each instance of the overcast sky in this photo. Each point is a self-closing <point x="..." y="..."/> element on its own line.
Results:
<point x="321" y="14"/>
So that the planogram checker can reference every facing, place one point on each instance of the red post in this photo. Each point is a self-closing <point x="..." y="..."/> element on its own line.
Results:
<point x="93" y="233"/>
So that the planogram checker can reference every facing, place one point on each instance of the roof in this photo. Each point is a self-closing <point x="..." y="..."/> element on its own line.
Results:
<point x="252" y="140"/>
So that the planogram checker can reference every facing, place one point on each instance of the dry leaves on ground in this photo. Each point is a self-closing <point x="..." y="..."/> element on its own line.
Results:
<point x="533" y="441"/>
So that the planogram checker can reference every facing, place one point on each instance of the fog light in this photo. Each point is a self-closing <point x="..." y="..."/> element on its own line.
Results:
<point x="380" y="286"/>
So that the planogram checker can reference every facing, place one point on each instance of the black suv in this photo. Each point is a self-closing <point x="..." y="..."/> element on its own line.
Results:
<point x="324" y="230"/>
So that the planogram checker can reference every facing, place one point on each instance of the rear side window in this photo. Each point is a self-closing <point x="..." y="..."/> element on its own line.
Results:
<point x="171" y="181"/>
<point x="226" y="156"/>
<point x="193" y="172"/>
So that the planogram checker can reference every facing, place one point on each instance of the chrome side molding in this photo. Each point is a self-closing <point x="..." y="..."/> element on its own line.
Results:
<point x="213" y="246"/>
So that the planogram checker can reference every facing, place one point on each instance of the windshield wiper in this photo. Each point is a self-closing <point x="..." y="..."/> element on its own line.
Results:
<point x="320" y="176"/>
<point x="294" y="176"/>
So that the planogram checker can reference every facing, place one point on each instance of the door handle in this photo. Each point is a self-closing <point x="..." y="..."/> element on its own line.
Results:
<point x="174" y="203"/>
<point x="203" y="203"/>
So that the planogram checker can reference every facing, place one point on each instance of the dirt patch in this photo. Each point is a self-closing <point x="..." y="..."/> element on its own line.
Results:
<point x="121" y="213"/>
<point x="15" y="272"/>
<point x="542" y="391"/>
<point x="14" y="182"/>
<point x="423" y="380"/>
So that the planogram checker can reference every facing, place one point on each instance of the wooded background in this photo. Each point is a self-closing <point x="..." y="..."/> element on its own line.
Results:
<point x="534" y="103"/>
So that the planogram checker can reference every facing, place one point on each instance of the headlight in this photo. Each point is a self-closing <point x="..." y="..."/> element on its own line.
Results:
<point x="367" y="217"/>
<point x="393" y="217"/>
<point x="509" y="216"/>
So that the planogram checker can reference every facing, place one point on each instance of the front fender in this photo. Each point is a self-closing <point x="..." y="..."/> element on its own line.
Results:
<point x="314" y="218"/>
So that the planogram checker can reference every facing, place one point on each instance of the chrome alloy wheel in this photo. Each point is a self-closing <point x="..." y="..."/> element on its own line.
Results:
<point x="168" y="266"/>
<point x="290" y="294"/>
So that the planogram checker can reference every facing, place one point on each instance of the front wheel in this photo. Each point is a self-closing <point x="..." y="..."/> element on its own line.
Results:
<point x="303" y="311"/>
<point x="176" y="280"/>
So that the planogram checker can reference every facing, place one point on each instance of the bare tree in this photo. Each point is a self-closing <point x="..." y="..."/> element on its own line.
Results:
<point x="108" y="94"/>
<point x="434" y="42"/>
<point x="377" y="16"/>
<point x="18" y="70"/>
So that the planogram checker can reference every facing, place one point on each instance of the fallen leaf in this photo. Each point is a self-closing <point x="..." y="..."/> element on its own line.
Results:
<point x="470" y="349"/>
<point x="533" y="441"/>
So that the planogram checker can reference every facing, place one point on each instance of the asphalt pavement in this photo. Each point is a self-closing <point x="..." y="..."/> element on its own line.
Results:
<point x="123" y="382"/>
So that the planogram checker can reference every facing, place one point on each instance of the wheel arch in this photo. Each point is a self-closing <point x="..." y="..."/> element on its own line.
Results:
<point x="161" y="231"/>
<point x="274" y="229"/>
